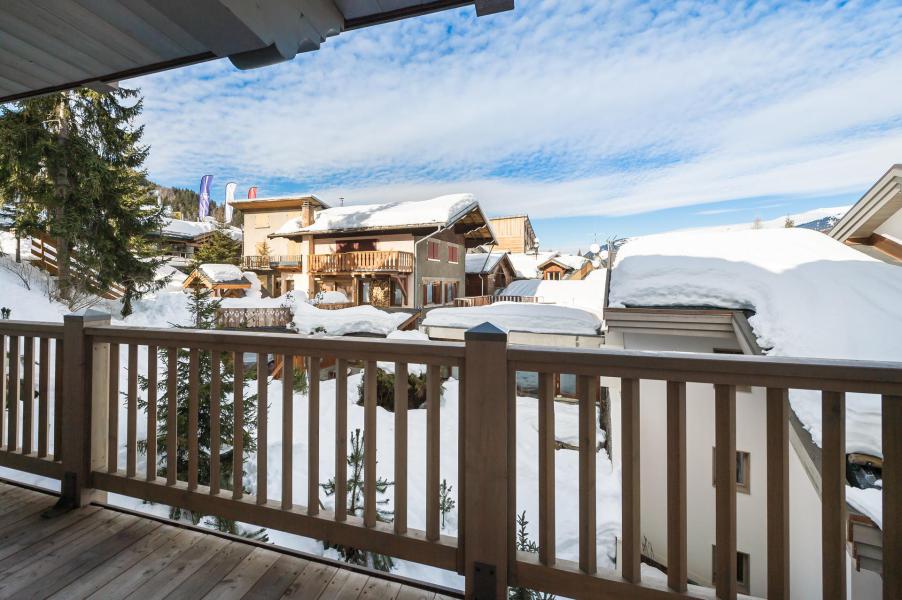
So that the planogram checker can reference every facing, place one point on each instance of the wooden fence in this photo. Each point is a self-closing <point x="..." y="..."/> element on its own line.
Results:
<point x="44" y="253"/>
<point x="486" y="300"/>
<point x="251" y="318"/>
<point x="85" y="427"/>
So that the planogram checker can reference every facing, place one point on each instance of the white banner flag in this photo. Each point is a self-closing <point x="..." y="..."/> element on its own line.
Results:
<point x="230" y="196"/>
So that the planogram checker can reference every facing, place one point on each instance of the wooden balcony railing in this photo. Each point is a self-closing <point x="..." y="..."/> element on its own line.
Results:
<point x="80" y="444"/>
<point x="375" y="261"/>
<point x="272" y="262"/>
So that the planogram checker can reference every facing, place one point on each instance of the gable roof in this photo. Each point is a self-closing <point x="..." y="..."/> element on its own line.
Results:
<point x="480" y="262"/>
<point x="879" y="203"/>
<point x="217" y="275"/>
<point x="443" y="211"/>
<point x="180" y="229"/>
<point x="571" y="262"/>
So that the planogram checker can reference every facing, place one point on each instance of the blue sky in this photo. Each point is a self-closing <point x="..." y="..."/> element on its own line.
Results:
<point x="597" y="118"/>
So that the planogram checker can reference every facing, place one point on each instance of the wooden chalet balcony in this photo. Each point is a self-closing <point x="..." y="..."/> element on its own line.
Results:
<point x="372" y="261"/>
<point x="272" y="262"/>
<point x="78" y="441"/>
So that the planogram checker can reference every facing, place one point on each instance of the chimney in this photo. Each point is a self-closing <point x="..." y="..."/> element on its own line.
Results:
<point x="307" y="214"/>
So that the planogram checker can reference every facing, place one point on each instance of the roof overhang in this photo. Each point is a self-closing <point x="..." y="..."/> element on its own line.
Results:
<point x="879" y="203"/>
<point x="70" y="43"/>
<point x="277" y="203"/>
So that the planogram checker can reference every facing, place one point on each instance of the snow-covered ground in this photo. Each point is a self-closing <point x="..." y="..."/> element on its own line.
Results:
<point x="587" y="293"/>
<point x="802" y="218"/>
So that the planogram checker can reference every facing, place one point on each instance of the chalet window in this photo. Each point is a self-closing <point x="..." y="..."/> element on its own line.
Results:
<point x="553" y="275"/>
<point x="743" y="471"/>
<point x="432" y="249"/>
<point x="743" y="576"/>
<point x="452" y="253"/>
<point x="450" y="291"/>
<point x="356" y="246"/>
<point x="261" y="221"/>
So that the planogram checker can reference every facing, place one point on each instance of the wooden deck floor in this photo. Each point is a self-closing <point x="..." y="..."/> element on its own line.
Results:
<point x="97" y="552"/>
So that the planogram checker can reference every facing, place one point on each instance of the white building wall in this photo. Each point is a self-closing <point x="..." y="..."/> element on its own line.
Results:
<point x="751" y="509"/>
<point x="892" y="228"/>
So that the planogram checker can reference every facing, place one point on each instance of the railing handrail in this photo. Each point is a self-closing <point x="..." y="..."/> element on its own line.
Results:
<point x="31" y="328"/>
<point x="416" y="352"/>
<point x="870" y="377"/>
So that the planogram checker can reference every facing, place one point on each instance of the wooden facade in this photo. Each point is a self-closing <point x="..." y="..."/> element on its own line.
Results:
<point x="80" y="441"/>
<point x="514" y="234"/>
<point x="493" y="280"/>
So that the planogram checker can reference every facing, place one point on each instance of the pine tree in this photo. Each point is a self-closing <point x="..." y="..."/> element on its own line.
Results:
<point x="219" y="248"/>
<point x="355" y="505"/>
<point x="385" y="390"/>
<point x="524" y="544"/>
<point x="76" y="157"/>
<point x="202" y="307"/>
<point x="789" y="223"/>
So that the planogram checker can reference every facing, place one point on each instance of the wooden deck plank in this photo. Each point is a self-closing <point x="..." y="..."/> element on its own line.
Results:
<point x="78" y="566"/>
<point x="14" y="557"/>
<point x="123" y="561"/>
<point x="243" y="577"/>
<point x="25" y="533"/>
<point x="212" y="571"/>
<point x="60" y="553"/>
<point x="412" y="593"/>
<point x="310" y="582"/>
<point x="348" y="587"/>
<point x="180" y="569"/>
<point x="144" y="569"/>
<point x="380" y="589"/>
<point x="24" y="510"/>
<point x="279" y="577"/>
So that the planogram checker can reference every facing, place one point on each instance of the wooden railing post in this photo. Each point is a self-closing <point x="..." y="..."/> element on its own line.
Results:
<point x="486" y="457"/>
<point x="84" y="416"/>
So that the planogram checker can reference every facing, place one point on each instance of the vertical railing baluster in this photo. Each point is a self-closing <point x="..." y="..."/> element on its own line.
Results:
<point x="12" y="396"/>
<point x="313" y="436"/>
<point x="215" y="422"/>
<point x="287" y="430"/>
<point x="677" y="546"/>
<point x="833" y="494"/>
<point x="27" y="394"/>
<point x="725" y="490"/>
<point x="587" y="391"/>
<point x="112" y="452"/>
<point x="3" y="389"/>
<point x="43" y="396"/>
<point x="131" y="437"/>
<point x="401" y="391"/>
<point x="891" y="414"/>
<point x="631" y="503"/>
<point x="262" y="443"/>
<point x="547" y="546"/>
<point x="238" y="428"/>
<point x="151" y="447"/>
<point x="777" y="493"/>
<point x="433" y="441"/>
<point x="191" y="434"/>
<point x="461" y="470"/>
<point x="172" y="429"/>
<point x="58" y="391"/>
<point x="341" y="440"/>
<point x="369" y="451"/>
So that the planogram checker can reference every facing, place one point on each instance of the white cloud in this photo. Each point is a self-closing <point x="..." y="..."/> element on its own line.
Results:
<point x="563" y="107"/>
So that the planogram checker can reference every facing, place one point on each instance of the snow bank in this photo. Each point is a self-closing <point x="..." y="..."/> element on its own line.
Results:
<point x="812" y="297"/>
<point x="587" y="293"/>
<point x="309" y="319"/>
<point x="517" y="316"/>
<point x="437" y="211"/>
<point x="172" y="277"/>
<point x="330" y="297"/>
<point x="220" y="273"/>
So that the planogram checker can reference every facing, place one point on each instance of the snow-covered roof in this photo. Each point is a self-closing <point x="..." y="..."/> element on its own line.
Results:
<point x="482" y="262"/>
<point x="518" y="316"/>
<point x="587" y="293"/>
<point x="443" y="211"/>
<point x="526" y="265"/>
<point x="812" y="297"/>
<point x="221" y="273"/>
<point x="879" y="203"/>
<point x="568" y="261"/>
<point x="189" y="230"/>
